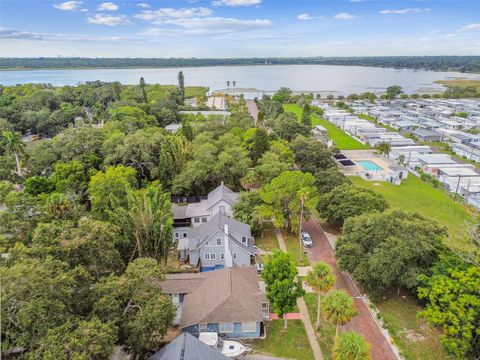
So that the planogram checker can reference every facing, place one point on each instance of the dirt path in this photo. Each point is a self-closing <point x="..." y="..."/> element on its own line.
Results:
<point x="363" y="323"/>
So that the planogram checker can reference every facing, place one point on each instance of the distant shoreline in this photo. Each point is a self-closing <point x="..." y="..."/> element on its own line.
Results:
<point x="207" y="66"/>
<point x="462" y="64"/>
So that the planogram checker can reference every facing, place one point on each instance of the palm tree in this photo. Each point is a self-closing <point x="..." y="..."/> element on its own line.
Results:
<point x="13" y="144"/>
<point x="351" y="346"/>
<point x="321" y="279"/>
<point x="338" y="308"/>
<point x="234" y="83"/>
<point x="228" y="87"/>
<point x="144" y="92"/>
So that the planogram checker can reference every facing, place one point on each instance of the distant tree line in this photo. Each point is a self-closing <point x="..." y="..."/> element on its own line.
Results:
<point x="436" y="63"/>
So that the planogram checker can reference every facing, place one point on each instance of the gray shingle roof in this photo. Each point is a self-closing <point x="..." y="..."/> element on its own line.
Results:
<point x="187" y="347"/>
<point x="221" y="193"/>
<point x="236" y="230"/>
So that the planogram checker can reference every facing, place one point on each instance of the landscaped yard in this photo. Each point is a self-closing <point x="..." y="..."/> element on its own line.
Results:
<point x="414" y="195"/>
<point x="326" y="333"/>
<point x="415" y="338"/>
<point x="342" y="140"/>
<point x="295" y="249"/>
<point x="291" y="344"/>
<point x="269" y="241"/>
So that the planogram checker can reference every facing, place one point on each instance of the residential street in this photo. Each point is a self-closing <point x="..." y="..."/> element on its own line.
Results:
<point x="363" y="322"/>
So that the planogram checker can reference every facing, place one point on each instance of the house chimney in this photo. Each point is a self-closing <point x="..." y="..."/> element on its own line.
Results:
<point x="228" y="254"/>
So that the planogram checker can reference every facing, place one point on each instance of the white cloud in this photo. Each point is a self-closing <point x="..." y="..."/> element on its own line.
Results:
<point x="305" y="17"/>
<point x="107" y="6"/>
<point x="68" y="5"/>
<point x="344" y="16"/>
<point x="474" y="26"/>
<point x="404" y="11"/>
<point x="160" y="15"/>
<point x="9" y="34"/>
<point x="109" y="20"/>
<point x="143" y="5"/>
<point x="213" y="26"/>
<point x="236" y="2"/>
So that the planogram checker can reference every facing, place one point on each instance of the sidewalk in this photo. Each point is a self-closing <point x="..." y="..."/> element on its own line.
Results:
<point x="312" y="338"/>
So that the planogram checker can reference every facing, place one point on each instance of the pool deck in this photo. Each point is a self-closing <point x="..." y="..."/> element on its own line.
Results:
<point x="368" y="155"/>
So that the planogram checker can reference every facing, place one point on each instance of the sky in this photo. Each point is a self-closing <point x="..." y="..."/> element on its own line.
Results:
<point x="238" y="28"/>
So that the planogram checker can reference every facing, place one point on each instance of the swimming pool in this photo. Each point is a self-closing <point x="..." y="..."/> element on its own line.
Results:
<point x="369" y="165"/>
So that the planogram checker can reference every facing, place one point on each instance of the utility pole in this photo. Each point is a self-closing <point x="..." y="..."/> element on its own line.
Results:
<point x="300" y="227"/>
<point x="458" y="185"/>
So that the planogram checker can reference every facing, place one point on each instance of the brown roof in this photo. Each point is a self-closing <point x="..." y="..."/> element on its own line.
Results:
<point x="228" y="295"/>
<point x="182" y="283"/>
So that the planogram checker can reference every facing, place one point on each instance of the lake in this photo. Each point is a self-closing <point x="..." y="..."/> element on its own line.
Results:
<point x="255" y="80"/>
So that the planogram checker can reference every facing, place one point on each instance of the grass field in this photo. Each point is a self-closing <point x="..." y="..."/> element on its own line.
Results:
<point x="415" y="338"/>
<point x="295" y="249"/>
<point x="460" y="82"/>
<point x="291" y="344"/>
<point x="414" y="195"/>
<point x="269" y="241"/>
<point x="342" y="140"/>
<point x="326" y="333"/>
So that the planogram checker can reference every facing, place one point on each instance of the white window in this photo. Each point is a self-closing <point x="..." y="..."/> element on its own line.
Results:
<point x="206" y="256"/>
<point x="204" y="220"/>
<point x="176" y="235"/>
<point x="197" y="220"/>
<point x="184" y="235"/>
<point x="249" y="326"/>
<point x="222" y="256"/>
<point x="264" y="306"/>
<point x="234" y="255"/>
<point x="219" y="241"/>
<point x="202" y="327"/>
<point x="213" y="256"/>
<point x="244" y="239"/>
<point x="226" y="327"/>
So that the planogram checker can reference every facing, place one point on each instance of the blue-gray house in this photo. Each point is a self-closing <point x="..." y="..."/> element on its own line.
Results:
<point x="230" y="302"/>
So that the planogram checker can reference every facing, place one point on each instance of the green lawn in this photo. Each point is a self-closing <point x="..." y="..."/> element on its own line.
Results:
<point x="342" y="140"/>
<point x="295" y="249"/>
<point x="415" y="338"/>
<point x="269" y="240"/>
<point x="414" y="195"/>
<point x="291" y="344"/>
<point x="326" y="333"/>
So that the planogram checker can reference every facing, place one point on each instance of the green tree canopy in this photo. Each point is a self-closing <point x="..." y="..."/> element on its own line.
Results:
<point x="453" y="305"/>
<point x="89" y="339"/>
<point x="134" y="302"/>
<point x="282" y="289"/>
<point x="114" y="183"/>
<point x="145" y="222"/>
<point x="389" y="249"/>
<point x="283" y="199"/>
<point x="347" y="201"/>
<point x="311" y="155"/>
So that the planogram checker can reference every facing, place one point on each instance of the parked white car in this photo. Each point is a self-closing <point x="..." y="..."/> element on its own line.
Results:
<point x="306" y="239"/>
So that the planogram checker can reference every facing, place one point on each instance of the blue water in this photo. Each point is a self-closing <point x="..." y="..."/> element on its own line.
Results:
<point x="369" y="165"/>
<point x="254" y="80"/>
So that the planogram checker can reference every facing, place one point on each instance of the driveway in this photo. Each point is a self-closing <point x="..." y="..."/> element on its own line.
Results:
<point x="363" y="323"/>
